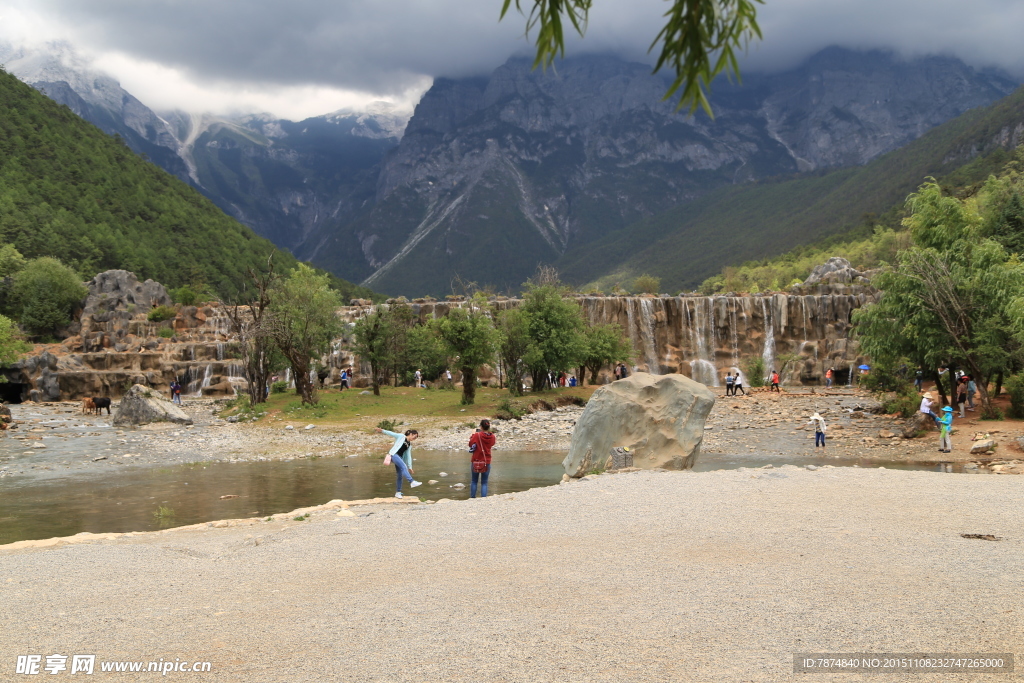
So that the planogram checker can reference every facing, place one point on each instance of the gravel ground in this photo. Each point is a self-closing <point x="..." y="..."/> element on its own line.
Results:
<point x="645" y="576"/>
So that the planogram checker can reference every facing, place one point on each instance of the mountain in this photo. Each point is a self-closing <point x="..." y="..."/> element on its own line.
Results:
<point x="70" y="191"/>
<point x="729" y="226"/>
<point x="495" y="175"/>
<point x="284" y="179"/>
<point x="289" y="180"/>
<point x="60" y="74"/>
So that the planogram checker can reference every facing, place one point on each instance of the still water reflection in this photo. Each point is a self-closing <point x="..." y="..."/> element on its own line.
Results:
<point x="126" y="501"/>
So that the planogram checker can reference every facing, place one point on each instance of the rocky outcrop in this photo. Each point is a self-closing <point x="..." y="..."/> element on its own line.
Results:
<point x="835" y="270"/>
<point x="659" y="418"/>
<point x="141" y="405"/>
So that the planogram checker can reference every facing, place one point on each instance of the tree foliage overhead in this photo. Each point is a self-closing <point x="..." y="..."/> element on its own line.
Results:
<point x="698" y="41"/>
<point x="70" y="191"/>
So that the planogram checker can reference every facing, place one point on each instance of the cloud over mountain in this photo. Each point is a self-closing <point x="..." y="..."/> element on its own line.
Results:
<point x="393" y="48"/>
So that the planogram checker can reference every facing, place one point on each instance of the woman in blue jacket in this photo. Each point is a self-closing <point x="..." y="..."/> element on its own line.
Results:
<point x="401" y="457"/>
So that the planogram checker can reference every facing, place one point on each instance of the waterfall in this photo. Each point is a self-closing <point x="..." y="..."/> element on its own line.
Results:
<point x="220" y="350"/>
<point x="647" y="318"/>
<point x="700" y="328"/>
<point x="769" y="334"/>
<point x="207" y="377"/>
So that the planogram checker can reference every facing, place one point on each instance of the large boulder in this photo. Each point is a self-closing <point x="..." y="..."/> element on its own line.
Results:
<point x="835" y="270"/>
<point x="142" y="405"/>
<point x="659" y="417"/>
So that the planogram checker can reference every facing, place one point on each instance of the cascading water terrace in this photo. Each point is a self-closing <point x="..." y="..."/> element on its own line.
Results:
<point x="647" y="318"/>
<point x="207" y="376"/>
<point x="768" y="354"/>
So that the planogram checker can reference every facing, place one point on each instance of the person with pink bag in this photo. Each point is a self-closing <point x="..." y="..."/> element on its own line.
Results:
<point x="400" y="456"/>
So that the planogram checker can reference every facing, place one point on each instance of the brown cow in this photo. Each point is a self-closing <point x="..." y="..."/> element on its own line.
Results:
<point x="88" y="406"/>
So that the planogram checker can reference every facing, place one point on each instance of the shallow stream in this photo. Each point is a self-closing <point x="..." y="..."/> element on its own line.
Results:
<point x="90" y="477"/>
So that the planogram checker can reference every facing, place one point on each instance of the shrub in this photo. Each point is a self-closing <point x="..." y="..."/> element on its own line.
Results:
<point x="646" y="284"/>
<point x="45" y="291"/>
<point x="507" y="409"/>
<point x="279" y="387"/>
<point x="1015" y="388"/>
<point x="755" y="371"/>
<point x="389" y="425"/>
<point x="166" y="332"/>
<point x="185" y="295"/>
<point x="160" y="314"/>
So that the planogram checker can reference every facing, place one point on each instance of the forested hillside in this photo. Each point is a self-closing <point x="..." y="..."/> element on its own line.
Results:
<point x="689" y="243"/>
<point x="70" y="191"/>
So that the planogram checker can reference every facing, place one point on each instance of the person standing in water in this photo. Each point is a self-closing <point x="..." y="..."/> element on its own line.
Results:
<point x="400" y="456"/>
<point x="818" y="422"/>
<point x="480" y="445"/>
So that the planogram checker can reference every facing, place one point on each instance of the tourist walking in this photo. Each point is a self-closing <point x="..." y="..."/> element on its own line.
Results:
<point x="971" y="388"/>
<point x="400" y="456"/>
<point x="961" y="396"/>
<point x="737" y="385"/>
<point x="176" y="392"/>
<point x="828" y="378"/>
<point x="919" y="379"/>
<point x="775" y="382"/>
<point x="419" y="378"/>
<point x="344" y="380"/>
<point x="729" y="381"/>
<point x="945" y="426"/>
<point x="818" y="422"/>
<point x="480" y="445"/>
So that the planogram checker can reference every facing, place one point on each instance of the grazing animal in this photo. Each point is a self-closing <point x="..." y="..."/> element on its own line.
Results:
<point x="322" y="375"/>
<point x="100" y="404"/>
<point x="88" y="406"/>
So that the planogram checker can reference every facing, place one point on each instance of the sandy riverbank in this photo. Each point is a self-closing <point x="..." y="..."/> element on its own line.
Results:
<point x="648" y="576"/>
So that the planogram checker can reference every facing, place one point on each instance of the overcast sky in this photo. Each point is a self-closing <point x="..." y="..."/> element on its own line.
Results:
<point x="306" y="57"/>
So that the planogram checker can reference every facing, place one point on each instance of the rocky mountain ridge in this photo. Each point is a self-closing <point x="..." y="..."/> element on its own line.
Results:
<point x="493" y="175"/>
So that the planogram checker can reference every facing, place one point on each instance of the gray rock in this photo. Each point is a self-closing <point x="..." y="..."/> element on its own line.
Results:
<point x="659" y="417"/>
<point x="835" y="270"/>
<point x="983" y="446"/>
<point x="141" y="405"/>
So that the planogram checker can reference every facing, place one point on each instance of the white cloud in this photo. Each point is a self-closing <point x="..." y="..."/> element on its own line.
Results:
<point x="303" y="57"/>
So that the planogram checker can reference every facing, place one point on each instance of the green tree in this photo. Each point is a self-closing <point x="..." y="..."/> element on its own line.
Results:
<point x="951" y="294"/>
<point x="698" y="41"/>
<point x="11" y="261"/>
<point x="45" y="294"/>
<point x="605" y="344"/>
<point x="469" y="338"/>
<point x="512" y="347"/>
<point x="304" y="308"/>
<point x="11" y="344"/>
<point x="646" y="284"/>
<point x="252" y="326"/>
<point x="555" y="325"/>
<point x="371" y="345"/>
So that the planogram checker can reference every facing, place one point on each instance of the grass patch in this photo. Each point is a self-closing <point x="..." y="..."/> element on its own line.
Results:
<point x="389" y="425"/>
<point x="404" y="404"/>
<point x="301" y="518"/>
<point x="164" y="515"/>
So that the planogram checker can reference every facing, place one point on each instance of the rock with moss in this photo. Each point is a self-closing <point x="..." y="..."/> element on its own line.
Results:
<point x="660" y="418"/>
<point x="142" y="405"/>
